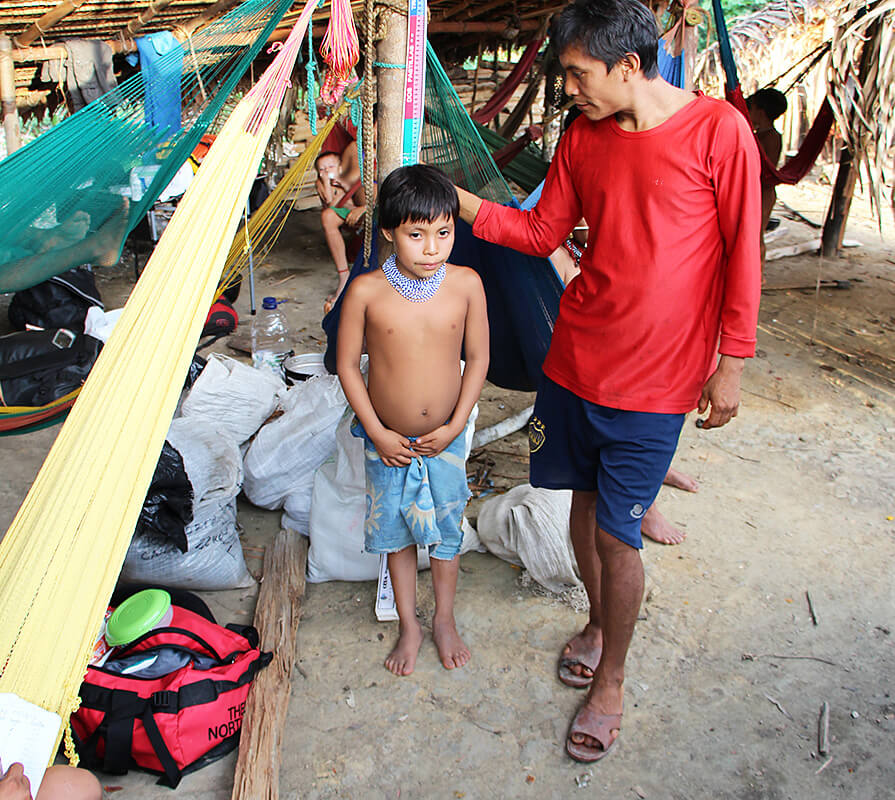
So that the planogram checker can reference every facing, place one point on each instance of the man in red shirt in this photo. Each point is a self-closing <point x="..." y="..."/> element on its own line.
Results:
<point x="668" y="182"/>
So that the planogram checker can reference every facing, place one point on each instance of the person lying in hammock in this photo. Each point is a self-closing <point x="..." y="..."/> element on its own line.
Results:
<point x="765" y="106"/>
<point x="70" y="244"/>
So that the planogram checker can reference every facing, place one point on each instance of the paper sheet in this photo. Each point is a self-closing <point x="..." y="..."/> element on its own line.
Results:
<point x="28" y="734"/>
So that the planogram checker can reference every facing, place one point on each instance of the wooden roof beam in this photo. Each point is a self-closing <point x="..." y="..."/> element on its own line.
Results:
<point x="200" y="21"/>
<point x="477" y="12"/>
<point x="141" y="20"/>
<point x="47" y="21"/>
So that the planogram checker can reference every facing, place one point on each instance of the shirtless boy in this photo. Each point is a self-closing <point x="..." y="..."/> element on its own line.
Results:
<point x="416" y="313"/>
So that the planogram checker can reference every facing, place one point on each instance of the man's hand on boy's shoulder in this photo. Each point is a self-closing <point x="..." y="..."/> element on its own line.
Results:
<point x="431" y="444"/>
<point x="393" y="448"/>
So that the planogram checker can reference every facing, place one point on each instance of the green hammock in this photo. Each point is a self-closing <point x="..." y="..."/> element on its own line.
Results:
<point x="66" y="195"/>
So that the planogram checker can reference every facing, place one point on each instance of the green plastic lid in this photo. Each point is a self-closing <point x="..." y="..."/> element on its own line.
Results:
<point x="137" y="615"/>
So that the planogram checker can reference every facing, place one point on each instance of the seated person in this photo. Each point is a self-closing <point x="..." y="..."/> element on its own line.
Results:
<point x="765" y="106"/>
<point x="332" y="184"/>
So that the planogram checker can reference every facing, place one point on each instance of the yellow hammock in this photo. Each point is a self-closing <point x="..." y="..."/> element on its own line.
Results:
<point x="61" y="556"/>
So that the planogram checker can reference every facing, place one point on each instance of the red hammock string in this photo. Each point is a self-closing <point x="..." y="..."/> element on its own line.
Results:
<point x="498" y="100"/>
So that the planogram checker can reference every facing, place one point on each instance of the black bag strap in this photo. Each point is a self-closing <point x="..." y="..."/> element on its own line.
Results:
<point x="169" y="765"/>
<point x="118" y="724"/>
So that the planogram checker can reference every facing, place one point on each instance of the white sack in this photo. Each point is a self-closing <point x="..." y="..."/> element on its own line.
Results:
<point x="234" y="397"/>
<point x="212" y="462"/>
<point x="283" y="457"/>
<point x="529" y="527"/>
<point x="213" y="561"/>
<point x="338" y="505"/>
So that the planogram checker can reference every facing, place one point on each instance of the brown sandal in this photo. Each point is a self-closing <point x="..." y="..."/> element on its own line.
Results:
<point x="597" y="726"/>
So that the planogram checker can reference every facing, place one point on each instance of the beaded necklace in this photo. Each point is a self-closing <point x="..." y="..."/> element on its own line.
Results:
<point x="416" y="290"/>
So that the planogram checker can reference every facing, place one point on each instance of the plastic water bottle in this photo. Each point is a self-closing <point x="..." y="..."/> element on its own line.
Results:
<point x="270" y="338"/>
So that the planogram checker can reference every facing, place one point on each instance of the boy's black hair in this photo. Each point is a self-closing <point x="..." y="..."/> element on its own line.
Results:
<point x="608" y="30"/>
<point x="771" y="101"/>
<point x="418" y="193"/>
<point x="325" y="153"/>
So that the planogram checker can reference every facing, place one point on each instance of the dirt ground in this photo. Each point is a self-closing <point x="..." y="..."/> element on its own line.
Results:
<point x="727" y="671"/>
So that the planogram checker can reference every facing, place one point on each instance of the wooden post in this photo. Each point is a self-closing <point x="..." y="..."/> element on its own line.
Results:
<point x="8" y="96"/>
<point x="847" y="175"/>
<point x="47" y="21"/>
<point x="276" y="617"/>
<point x="392" y="49"/>
<point x="218" y="9"/>
<point x="475" y="79"/>
<point x="517" y="115"/>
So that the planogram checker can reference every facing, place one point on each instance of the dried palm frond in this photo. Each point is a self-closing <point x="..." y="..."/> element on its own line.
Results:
<point x="766" y="44"/>
<point x="862" y="87"/>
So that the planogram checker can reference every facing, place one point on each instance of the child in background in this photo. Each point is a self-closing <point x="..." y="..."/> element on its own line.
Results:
<point x="765" y="106"/>
<point x="416" y="313"/>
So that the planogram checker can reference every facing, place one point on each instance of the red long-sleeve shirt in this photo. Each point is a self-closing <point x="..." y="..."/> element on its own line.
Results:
<point x="672" y="263"/>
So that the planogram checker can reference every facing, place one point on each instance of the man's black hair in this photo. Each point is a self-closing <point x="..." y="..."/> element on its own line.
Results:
<point x="771" y="101"/>
<point x="608" y="30"/>
<point x="418" y="193"/>
<point x="325" y="153"/>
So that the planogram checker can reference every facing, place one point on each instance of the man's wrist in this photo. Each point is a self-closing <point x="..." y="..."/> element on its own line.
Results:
<point x="731" y="363"/>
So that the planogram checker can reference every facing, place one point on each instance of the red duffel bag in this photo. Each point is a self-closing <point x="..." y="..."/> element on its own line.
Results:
<point x="175" y="722"/>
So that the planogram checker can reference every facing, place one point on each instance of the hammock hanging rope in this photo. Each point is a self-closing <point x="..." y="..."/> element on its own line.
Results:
<point x="63" y="552"/>
<point x="800" y="164"/>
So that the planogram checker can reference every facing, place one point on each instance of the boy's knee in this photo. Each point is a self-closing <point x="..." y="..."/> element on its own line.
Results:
<point x="330" y="219"/>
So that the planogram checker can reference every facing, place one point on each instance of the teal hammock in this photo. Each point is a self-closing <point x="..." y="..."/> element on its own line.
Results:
<point x="67" y="196"/>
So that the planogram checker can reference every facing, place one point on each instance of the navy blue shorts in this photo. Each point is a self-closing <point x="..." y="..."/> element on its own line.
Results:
<point x="621" y="455"/>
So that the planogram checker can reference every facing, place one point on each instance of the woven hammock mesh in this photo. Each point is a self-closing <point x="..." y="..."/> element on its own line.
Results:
<point x="65" y="200"/>
<point x="451" y="141"/>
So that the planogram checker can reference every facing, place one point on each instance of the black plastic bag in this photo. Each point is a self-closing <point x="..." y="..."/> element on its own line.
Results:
<point x="168" y="507"/>
<point x="60" y="302"/>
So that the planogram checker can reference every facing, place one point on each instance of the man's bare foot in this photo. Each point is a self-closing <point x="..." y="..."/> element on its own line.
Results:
<point x="581" y="656"/>
<point x="402" y="659"/>
<point x="654" y="526"/>
<point x="679" y="480"/>
<point x="451" y="650"/>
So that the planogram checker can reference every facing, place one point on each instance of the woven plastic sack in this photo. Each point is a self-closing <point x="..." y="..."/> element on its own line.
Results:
<point x="529" y="527"/>
<point x="338" y="505"/>
<point x="283" y="457"/>
<point x="234" y="397"/>
<point x="214" y="560"/>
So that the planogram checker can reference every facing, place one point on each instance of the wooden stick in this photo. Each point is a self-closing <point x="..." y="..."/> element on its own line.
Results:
<point x="811" y="608"/>
<point x="276" y="617"/>
<point x="823" y="729"/>
<point x="47" y="21"/>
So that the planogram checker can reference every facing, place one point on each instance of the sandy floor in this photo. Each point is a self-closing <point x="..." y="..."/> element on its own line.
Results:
<point x="727" y="671"/>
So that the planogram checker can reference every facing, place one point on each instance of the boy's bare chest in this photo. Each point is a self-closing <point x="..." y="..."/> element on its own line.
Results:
<point x="441" y="317"/>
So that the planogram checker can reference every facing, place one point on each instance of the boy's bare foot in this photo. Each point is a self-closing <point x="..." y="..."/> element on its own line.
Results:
<point x="654" y="526"/>
<point x="451" y="650"/>
<point x="680" y="480"/>
<point x="580" y="657"/>
<point x="402" y="659"/>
